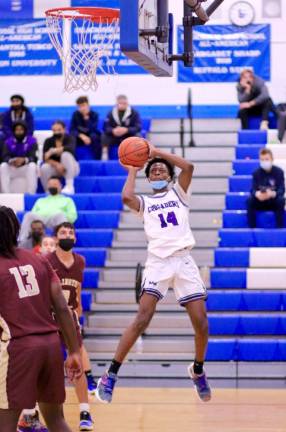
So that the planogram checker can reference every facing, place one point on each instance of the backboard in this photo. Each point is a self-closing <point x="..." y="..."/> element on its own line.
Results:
<point x="146" y="29"/>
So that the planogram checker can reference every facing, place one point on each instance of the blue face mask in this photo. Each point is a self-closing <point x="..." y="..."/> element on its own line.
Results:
<point x="159" y="184"/>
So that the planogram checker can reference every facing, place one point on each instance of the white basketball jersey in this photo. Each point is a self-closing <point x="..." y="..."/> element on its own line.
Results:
<point x="166" y="221"/>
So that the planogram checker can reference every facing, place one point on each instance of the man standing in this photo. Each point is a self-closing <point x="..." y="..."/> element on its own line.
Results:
<point x="31" y="361"/>
<point x="84" y="127"/>
<point x="17" y="112"/>
<point x="122" y="122"/>
<point x="254" y="99"/>
<point x="52" y="210"/>
<point x="268" y="189"/>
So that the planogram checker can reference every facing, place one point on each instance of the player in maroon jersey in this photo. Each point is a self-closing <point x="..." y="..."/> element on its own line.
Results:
<point x="69" y="267"/>
<point x="31" y="362"/>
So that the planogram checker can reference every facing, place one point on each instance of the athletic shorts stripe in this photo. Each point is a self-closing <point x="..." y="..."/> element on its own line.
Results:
<point x="4" y="364"/>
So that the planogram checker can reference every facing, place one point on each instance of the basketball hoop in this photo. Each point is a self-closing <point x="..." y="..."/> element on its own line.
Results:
<point x="83" y="38"/>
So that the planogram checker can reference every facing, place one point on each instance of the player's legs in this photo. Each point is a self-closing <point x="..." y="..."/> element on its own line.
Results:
<point x="91" y="384"/>
<point x="198" y="315"/>
<point x="147" y="307"/>
<point x="9" y="419"/>
<point x="54" y="417"/>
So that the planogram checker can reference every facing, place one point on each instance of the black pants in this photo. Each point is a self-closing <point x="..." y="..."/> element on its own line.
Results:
<point x="262" y="110"/>
<point x="281" y="125"/>
<point x="274" y="204"/>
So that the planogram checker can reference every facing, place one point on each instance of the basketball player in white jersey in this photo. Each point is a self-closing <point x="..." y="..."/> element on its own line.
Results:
<point x="169" y="263"/>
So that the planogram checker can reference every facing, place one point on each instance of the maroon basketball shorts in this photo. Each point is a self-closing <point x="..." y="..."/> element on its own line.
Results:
<point x="31" y="370"/>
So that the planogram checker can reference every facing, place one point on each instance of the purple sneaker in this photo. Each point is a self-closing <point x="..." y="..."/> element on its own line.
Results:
<point x="201" y="384"/>
<point x="105" y="387"/>
<point x="31" y="423"/>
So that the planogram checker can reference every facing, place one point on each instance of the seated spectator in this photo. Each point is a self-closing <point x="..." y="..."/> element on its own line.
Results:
<point x="122" y="122"/>
<point x="52" y="210"/>
<point x="254" y="99"/>
<point x="84" y="127"/>
<point x="17" y="112"/>
<point x="48" y="245"/>
<point x="281" y="111"/>
<point x="268" y="189"/>
<point x="19" y="159"/>
<point x="59" y="158"/>
<point x="35" y="235"/>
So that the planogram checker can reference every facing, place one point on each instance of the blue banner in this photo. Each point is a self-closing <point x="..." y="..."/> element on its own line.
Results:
<point x="118" y="62"/>
<point x="223" y="51"/>
<point x="16" y="9"/>
<point x="26" y="49"/>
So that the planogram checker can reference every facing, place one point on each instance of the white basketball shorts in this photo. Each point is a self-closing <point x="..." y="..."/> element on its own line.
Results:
<point x="179" y="271"/>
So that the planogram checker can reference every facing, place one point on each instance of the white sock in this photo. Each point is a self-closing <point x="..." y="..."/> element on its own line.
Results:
<point x="84" y="407"/>
<point x="69" y="182"/>
<point x="29" y="411"/>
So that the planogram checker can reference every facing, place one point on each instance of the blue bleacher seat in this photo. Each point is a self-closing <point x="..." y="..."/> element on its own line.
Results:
<point x="86" y="300"/>
<point x="262" y="301"/>
<point x="90" y="280"/>
<point x="224" y="300"/>
<point x="99" y="168"/>
<point x="254" y="122"/>
<point x="245" y="167"/>
<point x="238" y="219"/>
<point x="246" y="237"/>
<point x="252" y="137"/>
<point x="94" y="238"/>
<point x="262" y="324"/>
<point x="94" y="257"/>
<point x="84" y="153"/>
<point x="228" y="278"/>
<point x="236" y="200"/>
<point x="221" y="350"/>
<point x="223" y="324"/>
<point x="248" y="151"/>
<point x="258" y="350"/>
<point x="85" y="201"/>
<point x="240" y="183"/>
<point x="99" y="184"/>
<point x="231" y="257"/>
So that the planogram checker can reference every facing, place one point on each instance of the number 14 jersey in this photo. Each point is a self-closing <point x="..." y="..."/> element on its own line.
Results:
<point x="166" y="221"/>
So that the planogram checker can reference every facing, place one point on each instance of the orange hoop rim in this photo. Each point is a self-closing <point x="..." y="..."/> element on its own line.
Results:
<point x="95" y="14"/>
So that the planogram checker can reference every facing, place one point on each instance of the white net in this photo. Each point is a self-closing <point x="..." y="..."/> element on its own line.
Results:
<point x="84" y="46"/>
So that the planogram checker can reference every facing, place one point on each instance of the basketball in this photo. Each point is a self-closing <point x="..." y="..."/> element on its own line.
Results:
<point x="134" y="151"/>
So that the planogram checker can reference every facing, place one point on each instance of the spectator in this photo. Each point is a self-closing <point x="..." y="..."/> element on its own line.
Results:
<point x="17" y="111"/>
<point x="254" y="99"/>
<point x="59" y="158"/>
<point x="19" y="159"/>
<point x="35" y="236"/>
<point x="268" y="189"/>
<point x="84" y="127"/>
<point x="52" y="210"/>
<point x="48" y="245"/>
<point x="122" y="122"/>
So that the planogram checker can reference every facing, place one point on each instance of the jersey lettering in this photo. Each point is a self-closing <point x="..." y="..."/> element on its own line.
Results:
<point x="25" y="278"/>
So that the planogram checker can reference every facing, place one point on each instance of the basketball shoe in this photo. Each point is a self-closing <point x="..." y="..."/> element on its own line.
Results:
<point x="31" y="423"/>
<point x="105" y="387"/>
<point x="201" y="384"/>
<point x="85" y="422"/>
<point x="91" y="384"/>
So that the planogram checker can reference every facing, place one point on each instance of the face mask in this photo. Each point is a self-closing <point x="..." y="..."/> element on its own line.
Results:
<point x="58" y="135"/>
<point x="266" y="165"/>
<point x="159" y="184"/>
<point x="53" y="190"/>
<point x="66" y="244"/>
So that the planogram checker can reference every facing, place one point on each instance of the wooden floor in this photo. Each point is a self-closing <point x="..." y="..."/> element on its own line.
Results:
<point x="179" y="410"/>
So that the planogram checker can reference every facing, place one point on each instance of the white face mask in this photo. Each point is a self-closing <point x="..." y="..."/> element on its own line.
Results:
<point x="266" y="165"/>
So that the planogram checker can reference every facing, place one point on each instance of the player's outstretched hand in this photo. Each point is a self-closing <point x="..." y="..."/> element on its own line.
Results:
<point x="73" y="366"/>
<point x="152" y="151"/>
<point x="130" y="167"/>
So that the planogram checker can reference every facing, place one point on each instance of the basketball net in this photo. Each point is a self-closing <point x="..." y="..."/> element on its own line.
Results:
<point x="84" y="39"/>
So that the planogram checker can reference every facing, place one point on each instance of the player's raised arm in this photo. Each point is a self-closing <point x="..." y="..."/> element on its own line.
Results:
<point x="187" y="168"/>
<point x="128" y="192"/>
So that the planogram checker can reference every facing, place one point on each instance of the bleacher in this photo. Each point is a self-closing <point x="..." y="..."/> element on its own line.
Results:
<point x="250" y="267"/>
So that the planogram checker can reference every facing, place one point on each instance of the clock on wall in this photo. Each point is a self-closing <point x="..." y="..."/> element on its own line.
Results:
<point x="242" y="13"/>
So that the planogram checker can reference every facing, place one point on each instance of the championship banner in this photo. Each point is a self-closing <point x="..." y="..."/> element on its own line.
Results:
<point x="221" y="52"/>
<point x="16" y="9"/>
<point x="26" y="49"/>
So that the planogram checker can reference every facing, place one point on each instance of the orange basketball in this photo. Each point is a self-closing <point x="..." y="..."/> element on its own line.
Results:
<point x="134" y="151"/>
